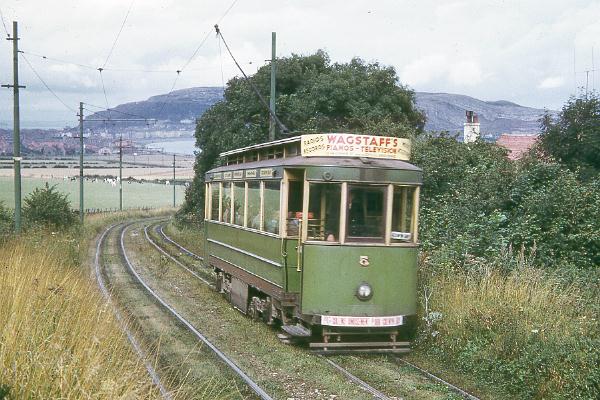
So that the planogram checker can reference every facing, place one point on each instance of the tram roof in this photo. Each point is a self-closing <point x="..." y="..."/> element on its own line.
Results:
<point x="300" y="161"/>
<point x="261" y="146"/>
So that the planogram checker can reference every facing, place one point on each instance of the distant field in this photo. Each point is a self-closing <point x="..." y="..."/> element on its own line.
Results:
<point x="99" y="194"/>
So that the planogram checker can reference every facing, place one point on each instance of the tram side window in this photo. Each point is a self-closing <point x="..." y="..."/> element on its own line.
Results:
<point x="271" y="206"/>
<point x="215" y="188"/>
<point x="253" y="205"/>
<point x="239" y="192"/>
<point x="365" y="212"/>
<point x="324" y="211"/>
<point x="402" y="227"/>
<point x="226" y="202"/>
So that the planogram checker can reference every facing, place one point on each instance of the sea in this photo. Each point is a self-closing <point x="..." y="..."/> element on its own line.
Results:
<point x="182" y="146"/>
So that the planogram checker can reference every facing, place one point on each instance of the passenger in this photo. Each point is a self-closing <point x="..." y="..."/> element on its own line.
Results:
<point x="330" y="237"/>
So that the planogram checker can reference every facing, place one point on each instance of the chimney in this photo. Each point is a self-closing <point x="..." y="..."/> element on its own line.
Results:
<point x="471" y="127"/>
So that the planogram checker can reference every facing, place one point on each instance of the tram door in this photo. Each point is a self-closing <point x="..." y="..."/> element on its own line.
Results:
<point x="293" y="204"/>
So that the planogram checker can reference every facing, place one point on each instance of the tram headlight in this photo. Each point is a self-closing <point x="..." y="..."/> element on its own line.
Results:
<point x="364" y="291"/>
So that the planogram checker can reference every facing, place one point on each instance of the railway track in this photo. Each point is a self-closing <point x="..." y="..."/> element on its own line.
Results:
<point x="250" y="383"/>
<point x="364" y="385"/>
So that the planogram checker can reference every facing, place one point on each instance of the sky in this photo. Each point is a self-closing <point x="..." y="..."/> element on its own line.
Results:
<point x="534" y="53"/>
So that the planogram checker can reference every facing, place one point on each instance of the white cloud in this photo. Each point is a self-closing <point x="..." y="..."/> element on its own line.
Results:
<point x="488" y="49"/>
<point x="551" y="82"/>
<point x="466" y="73"/>
<point x="424" y="70"/>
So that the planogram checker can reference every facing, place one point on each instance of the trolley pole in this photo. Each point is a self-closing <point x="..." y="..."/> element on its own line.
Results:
<point x="81" y="162"/>
<point x="121" y="172"/>
<point x="272" y="99"/>
<point x="16" y="126"/>
<point x="173" y="180"/>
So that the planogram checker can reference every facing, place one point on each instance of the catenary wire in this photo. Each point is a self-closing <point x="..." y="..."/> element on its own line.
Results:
<point x="100" y="108"/>
<point x="179" y="71"/>
<point x="111" y="69"/>
<point x="118" y="34"/>
<point x="3" y="24"/>
<point x="104" y="91"/>
<point x="282" y="127"/>
<point x="46" y="85"/>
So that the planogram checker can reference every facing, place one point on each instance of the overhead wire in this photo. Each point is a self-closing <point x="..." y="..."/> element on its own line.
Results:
<point x="3" y="24"/>
<point x="282" y="127"/>
<point x="111" y="69"/>
<point x="104" y="91"/>
<point x="118" y="34"/>
<point x="191" y="58"/>
<point x="100" y="108"/>
<point x="46" y="85"/>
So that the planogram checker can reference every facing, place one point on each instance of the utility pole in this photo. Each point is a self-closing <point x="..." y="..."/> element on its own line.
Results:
<point x="81" y="162"/>
<point x="121" y="172"/>
<point x="273" y="76"/>
<point x="173" y="180"/>
<point x="16" y="127"/>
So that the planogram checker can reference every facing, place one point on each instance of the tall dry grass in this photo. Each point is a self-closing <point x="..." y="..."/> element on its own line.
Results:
<point x="58" y="338"/>
<point x="525" y="331"/>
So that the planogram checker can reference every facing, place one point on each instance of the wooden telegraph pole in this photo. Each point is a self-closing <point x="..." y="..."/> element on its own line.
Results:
<point x="173" y="180"/>
<point x="16" y="127"/>
<point x="81" y="162"/>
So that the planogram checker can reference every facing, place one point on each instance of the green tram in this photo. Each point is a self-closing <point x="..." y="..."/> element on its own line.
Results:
<point x="318" y="233"/>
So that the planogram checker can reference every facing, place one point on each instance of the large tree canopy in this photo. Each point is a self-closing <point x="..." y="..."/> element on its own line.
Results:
<point x="313" y="95"/>
<point x="574" y="136"/>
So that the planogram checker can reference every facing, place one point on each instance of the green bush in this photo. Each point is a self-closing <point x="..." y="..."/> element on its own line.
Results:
<point x="6" y="219"/>
<point x="48" y="207"/>
<point x="559" y="215"/>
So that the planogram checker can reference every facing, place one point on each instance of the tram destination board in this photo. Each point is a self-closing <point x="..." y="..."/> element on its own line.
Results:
<point x="350" y="145"/>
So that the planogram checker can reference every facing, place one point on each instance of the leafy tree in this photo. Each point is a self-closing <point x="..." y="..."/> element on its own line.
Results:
<point x="573" y="137"/>
<point x="554" y="213"/>
<point x="47" y="206"/>
<point x="313" y="95"/>
<point x="465" y="190"/>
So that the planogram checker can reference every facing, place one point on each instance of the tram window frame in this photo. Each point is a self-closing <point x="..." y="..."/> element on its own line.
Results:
<point x="238" y="209"/>
<point x="250" y="197"/>
<point x="215" y="206"/>
<point x="264" y="207"/>
<point x="325" y="231"/>
<point x="226" y="209"/>
<point x="410" y="212"/>
<point x="383" y="189"/>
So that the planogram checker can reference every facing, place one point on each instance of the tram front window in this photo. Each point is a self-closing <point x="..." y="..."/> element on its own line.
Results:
<point x="402" y="214"/>
<point x="366" y="219"/>
<point x="324" y="212"/>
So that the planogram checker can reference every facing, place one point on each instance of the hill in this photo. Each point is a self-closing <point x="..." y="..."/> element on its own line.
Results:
<point x="171" y="108"/>
<point x="444" y="111"/>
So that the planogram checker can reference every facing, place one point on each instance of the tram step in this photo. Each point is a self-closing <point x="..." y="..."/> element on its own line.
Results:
<point x="296" y="330"/>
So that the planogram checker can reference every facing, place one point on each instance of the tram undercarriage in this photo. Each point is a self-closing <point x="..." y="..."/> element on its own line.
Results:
<point x="303" y="329"/>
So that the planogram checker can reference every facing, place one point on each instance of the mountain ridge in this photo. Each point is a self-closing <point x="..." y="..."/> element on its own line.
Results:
<point x="444" y="111"/>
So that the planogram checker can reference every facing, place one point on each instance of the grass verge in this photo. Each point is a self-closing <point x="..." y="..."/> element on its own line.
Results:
<point x="524" y="332"/>
<point x="59" y="339"/>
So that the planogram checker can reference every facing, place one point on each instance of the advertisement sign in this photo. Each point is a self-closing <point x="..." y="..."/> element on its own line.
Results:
<point x="349" y="145"/>
<point x="331" y="320"/>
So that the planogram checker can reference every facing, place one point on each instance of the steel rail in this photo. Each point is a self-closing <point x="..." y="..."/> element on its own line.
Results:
<point x="190" y="253"/>
<point x="176" y="261"/>
<point x="134" y="343"/>
<point x="376" y="393"/>
<point x="253" y="385"/>
<point x="431" y="376"/>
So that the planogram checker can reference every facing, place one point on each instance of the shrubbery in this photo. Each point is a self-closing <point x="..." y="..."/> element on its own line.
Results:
<point x="509" y="269"/>
<point x="48" y="207"/>
<point x="6" y="219"/>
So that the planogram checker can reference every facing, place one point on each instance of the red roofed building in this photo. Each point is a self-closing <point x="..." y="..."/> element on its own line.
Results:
<point x="518" y="144"/>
